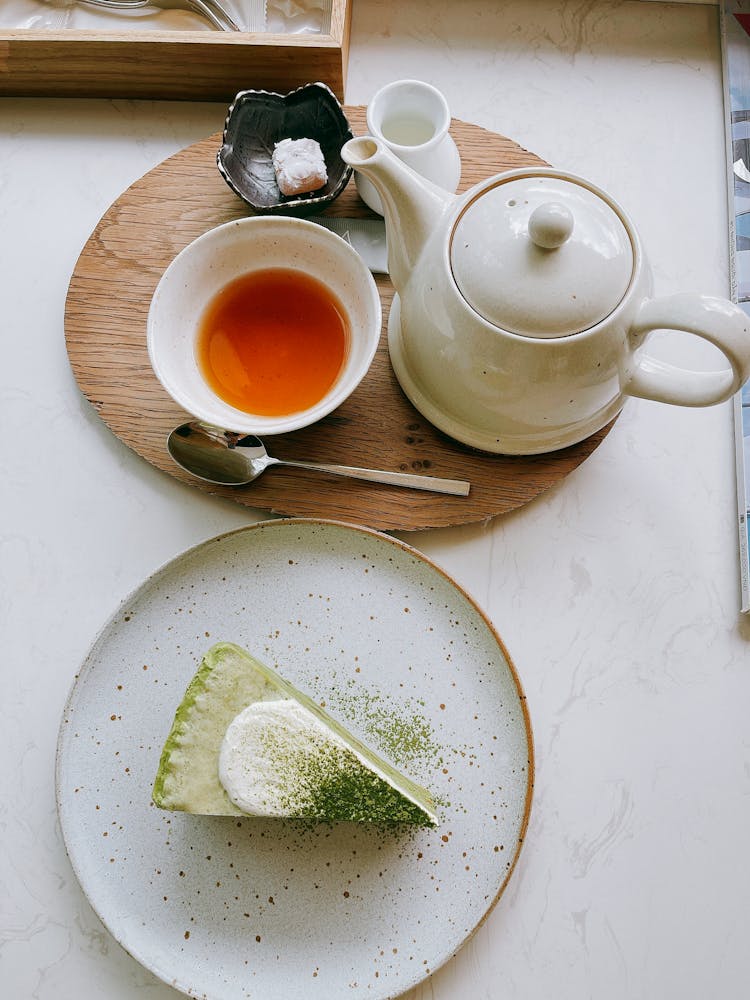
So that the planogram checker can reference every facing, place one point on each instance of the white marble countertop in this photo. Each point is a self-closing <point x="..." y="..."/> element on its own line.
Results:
<point x="616" y="593"/>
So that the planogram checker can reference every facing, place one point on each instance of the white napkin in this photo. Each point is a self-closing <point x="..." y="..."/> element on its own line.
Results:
<point x="291" y="17"/>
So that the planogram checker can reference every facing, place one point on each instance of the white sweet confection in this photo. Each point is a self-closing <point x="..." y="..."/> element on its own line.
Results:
<point x="299" y="166"/>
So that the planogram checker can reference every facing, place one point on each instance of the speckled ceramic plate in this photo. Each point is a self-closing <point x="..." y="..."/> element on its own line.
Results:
<point x="226" y="909"/>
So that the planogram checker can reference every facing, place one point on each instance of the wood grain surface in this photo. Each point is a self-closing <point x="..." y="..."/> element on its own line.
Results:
<point x="105" y="327"/>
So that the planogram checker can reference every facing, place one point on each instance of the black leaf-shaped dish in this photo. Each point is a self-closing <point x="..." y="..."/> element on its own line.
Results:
<point x="256" y="120"/>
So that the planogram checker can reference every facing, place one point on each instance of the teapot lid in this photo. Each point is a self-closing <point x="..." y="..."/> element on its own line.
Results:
<point x="541" y="254"/>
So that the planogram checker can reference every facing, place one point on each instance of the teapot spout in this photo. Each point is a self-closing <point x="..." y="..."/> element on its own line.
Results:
<point x="412" y="205"/>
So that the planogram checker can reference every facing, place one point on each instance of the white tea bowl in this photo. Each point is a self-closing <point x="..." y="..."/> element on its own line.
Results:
<point x="208" y="264"/>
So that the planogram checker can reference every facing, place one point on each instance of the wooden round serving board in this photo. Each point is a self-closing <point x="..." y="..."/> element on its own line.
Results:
<point x="105" y="327"/>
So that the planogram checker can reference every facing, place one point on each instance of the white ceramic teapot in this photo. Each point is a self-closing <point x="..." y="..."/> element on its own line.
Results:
<point x="522" y="307"/>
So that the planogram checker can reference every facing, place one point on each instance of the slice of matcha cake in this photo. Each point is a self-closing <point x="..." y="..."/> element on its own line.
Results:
<point x="244" y="741"/>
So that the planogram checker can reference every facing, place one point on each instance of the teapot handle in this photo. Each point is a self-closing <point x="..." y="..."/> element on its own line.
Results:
<point x="716" y="320"/>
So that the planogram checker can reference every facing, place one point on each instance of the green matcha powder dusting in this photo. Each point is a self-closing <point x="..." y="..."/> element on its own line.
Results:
<point x="405" y="736"/>
<point x="329" y="784"/>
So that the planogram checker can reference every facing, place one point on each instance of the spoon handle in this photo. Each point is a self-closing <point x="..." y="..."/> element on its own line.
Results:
<point x="456" y="487"/>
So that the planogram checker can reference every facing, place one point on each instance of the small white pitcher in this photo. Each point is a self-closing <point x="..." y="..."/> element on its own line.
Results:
<point x="412" y="119"/>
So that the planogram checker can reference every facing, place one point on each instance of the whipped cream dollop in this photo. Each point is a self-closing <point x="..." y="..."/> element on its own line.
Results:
<point x="278" y="759"/>
<point x="272" y="756"/>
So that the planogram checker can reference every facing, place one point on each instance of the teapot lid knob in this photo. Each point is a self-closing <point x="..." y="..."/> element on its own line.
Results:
<point x="550" y="225"/>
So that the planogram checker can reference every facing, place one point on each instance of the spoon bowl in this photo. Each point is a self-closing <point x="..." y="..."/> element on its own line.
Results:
<point x="226" y="458"/>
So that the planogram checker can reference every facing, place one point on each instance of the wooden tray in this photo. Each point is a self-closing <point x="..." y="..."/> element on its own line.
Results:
<point x="186" y="65"/>
<point x="105" y="324"/>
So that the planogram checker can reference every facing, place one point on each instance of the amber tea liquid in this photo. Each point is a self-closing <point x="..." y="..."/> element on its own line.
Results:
<point x="272" y="342"/>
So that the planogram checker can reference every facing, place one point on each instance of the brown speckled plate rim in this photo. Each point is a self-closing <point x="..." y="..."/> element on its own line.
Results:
<point x="80" y="675"/>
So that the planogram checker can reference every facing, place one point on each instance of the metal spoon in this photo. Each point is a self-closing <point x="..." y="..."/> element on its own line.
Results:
<point x="210" y="9"/>
<point x="229" y="459"/>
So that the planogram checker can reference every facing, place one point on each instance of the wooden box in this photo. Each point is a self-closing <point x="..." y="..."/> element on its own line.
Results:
<point x="174" y="65"/>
